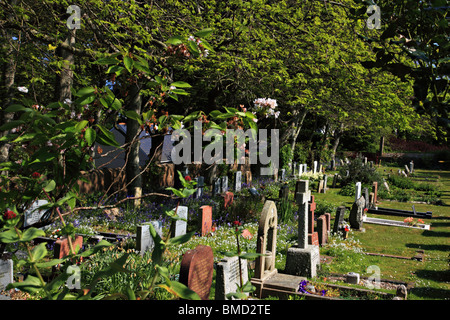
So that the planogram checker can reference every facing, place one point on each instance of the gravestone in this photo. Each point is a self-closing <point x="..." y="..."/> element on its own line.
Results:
<point x="224" y="184"/>
<point x="266" y="243"/>
<point x="356" y="214"/>
<point x="312" y="235"/>
<point x="303" y="259"/>
<point x="196" y="271"/>
<point x="411" y="166"/>
<point x="253" y="192"/>
<point x="144" y="240"/>
<point x="328" y="220"/>
<point x="294" y="169"/>
<point x="180" y="225"/>
<point x="200" y="185"/>
<point x="228" y="277"/>
<point x="217" y="186"/>
<point x="386" y="186"/>
<point x="325" y="183"/>
<point x="32" y="215"/>
<point x="228" y="199"/>
<point x="366" y="197"/>
<point x="305" y="168"/>
<point x="238" y="181"/>
<point x="6" y="273"/>
<point x="407" y="169"/>
<point x="283" y="174"/>
<point x="375" y="192"/>
<point x="340" y="212"/>
<point x="335" y="178"/>
<point x="357" y="190"/>
<point x="322" y="231"/>
<point x="206" y="220"/>
<point x="300" y="170"/>
<point x="61" y="247"/>
<point x="320" y="186"/>
<point x="284" y="192"/>
<point x="275" y="174"/>
<point x="315" y="167"/>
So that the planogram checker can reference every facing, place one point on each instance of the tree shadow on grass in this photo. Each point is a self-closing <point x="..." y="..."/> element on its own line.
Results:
<point x="431" y="293"/>
<point x="440" y="247"/>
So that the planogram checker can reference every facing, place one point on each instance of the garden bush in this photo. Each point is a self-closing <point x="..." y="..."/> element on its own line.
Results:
<point x="358" y="173"/>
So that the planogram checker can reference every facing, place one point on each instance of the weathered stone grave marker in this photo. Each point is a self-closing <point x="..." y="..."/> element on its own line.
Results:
<point x="217" y="187"/>
<point x="356" y="214"/>
<point x="266" y="245"/>
<point x="313" y="237"/>
<point x="322" y="231"/>
<point x="200" y="185"/>
<point x="206" y="220"/>
<point x="315" y="167"/>
<point x="196" y="271"/>
<point x="238" y="181"/>
<point x="357" y="190"/>
<point x="144" y="240"/>
<point x="228" y="277"/>
<point x="224" y="184"/>
<point x="283" y="174"/>
<point x="180" y="225"/>
<point x="340" y="212"/>
<point x="284" y="192"/>
<point x="34" y="214"/>
<point x="303" y="259"/>
<point x="61" y="247"/>
<point x="320" y="186"/>
<point x="6" y="273"/>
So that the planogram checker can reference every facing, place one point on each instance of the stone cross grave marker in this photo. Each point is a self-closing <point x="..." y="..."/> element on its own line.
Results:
<point x="200" y="185"/>
<point x="206" y="220"/>
<point x="302" y="198"/>
<point x="228" y="199"/>
<point x="6" y="273"/>
<point x="33" y="214"/>
<point x="312" y="235"/>
<point x="303" y="259"/>
<point x="238" y="182"/>
<point x="357" y="190"/>
<point x="224" y="184"/>
<point x="228" y="277"/>
<point x="196" y="271"/>
<point x="340" y="212"/>
<point x="267" y="242"/>
<point x="61" y="248"/>
<point x="144" y="240"/>
<point x="181" y="225"/>
<point x="356" y="214"/>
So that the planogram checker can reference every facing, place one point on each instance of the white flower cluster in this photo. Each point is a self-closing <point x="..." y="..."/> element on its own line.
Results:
<point x="269" y="104"/>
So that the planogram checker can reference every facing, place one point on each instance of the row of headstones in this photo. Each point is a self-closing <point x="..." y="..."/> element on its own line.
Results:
<point x="221" y="184"/>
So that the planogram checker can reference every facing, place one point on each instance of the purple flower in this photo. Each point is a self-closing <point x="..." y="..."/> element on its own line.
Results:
<point x="323" y="292"/>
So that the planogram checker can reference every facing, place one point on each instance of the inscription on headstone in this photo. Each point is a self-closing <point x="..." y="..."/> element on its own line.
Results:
<point x="33" y="214"/>
<point x="228" y="277"/>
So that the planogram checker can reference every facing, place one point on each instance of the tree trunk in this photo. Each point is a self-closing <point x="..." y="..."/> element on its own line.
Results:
<point x="337" y="137"/>
<point x="9" y="73"/>
<point x="133" y="176"/>
<point x="298" y="124"/>
<point x="64" y="81"/>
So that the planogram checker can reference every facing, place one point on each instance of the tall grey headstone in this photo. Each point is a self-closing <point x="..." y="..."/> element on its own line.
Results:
<point x="228" y="277"/>
<point x="238" y="182"/>
<point x="224" y="184"/>
<point x="217" y="186"/>
<point x="283" y="174"/>
<point x="340" y="212"/>
<point x="144" y="240"/>
<point x="302" y="198"/>
<point x="357" y="190"/>
<point x="315" y="167"/>
<point x="300" y="170"/>
<point x="200" y="185"/>
<point x="356" y="214"/>
<point x="181" y="224"/>
<point x="6" y="273"/>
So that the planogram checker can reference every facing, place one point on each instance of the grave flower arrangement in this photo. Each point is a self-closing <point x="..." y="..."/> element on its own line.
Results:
<point x="410" y="221"/>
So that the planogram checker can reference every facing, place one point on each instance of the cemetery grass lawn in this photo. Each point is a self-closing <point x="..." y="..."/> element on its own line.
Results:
<point x="431" y="277"/>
